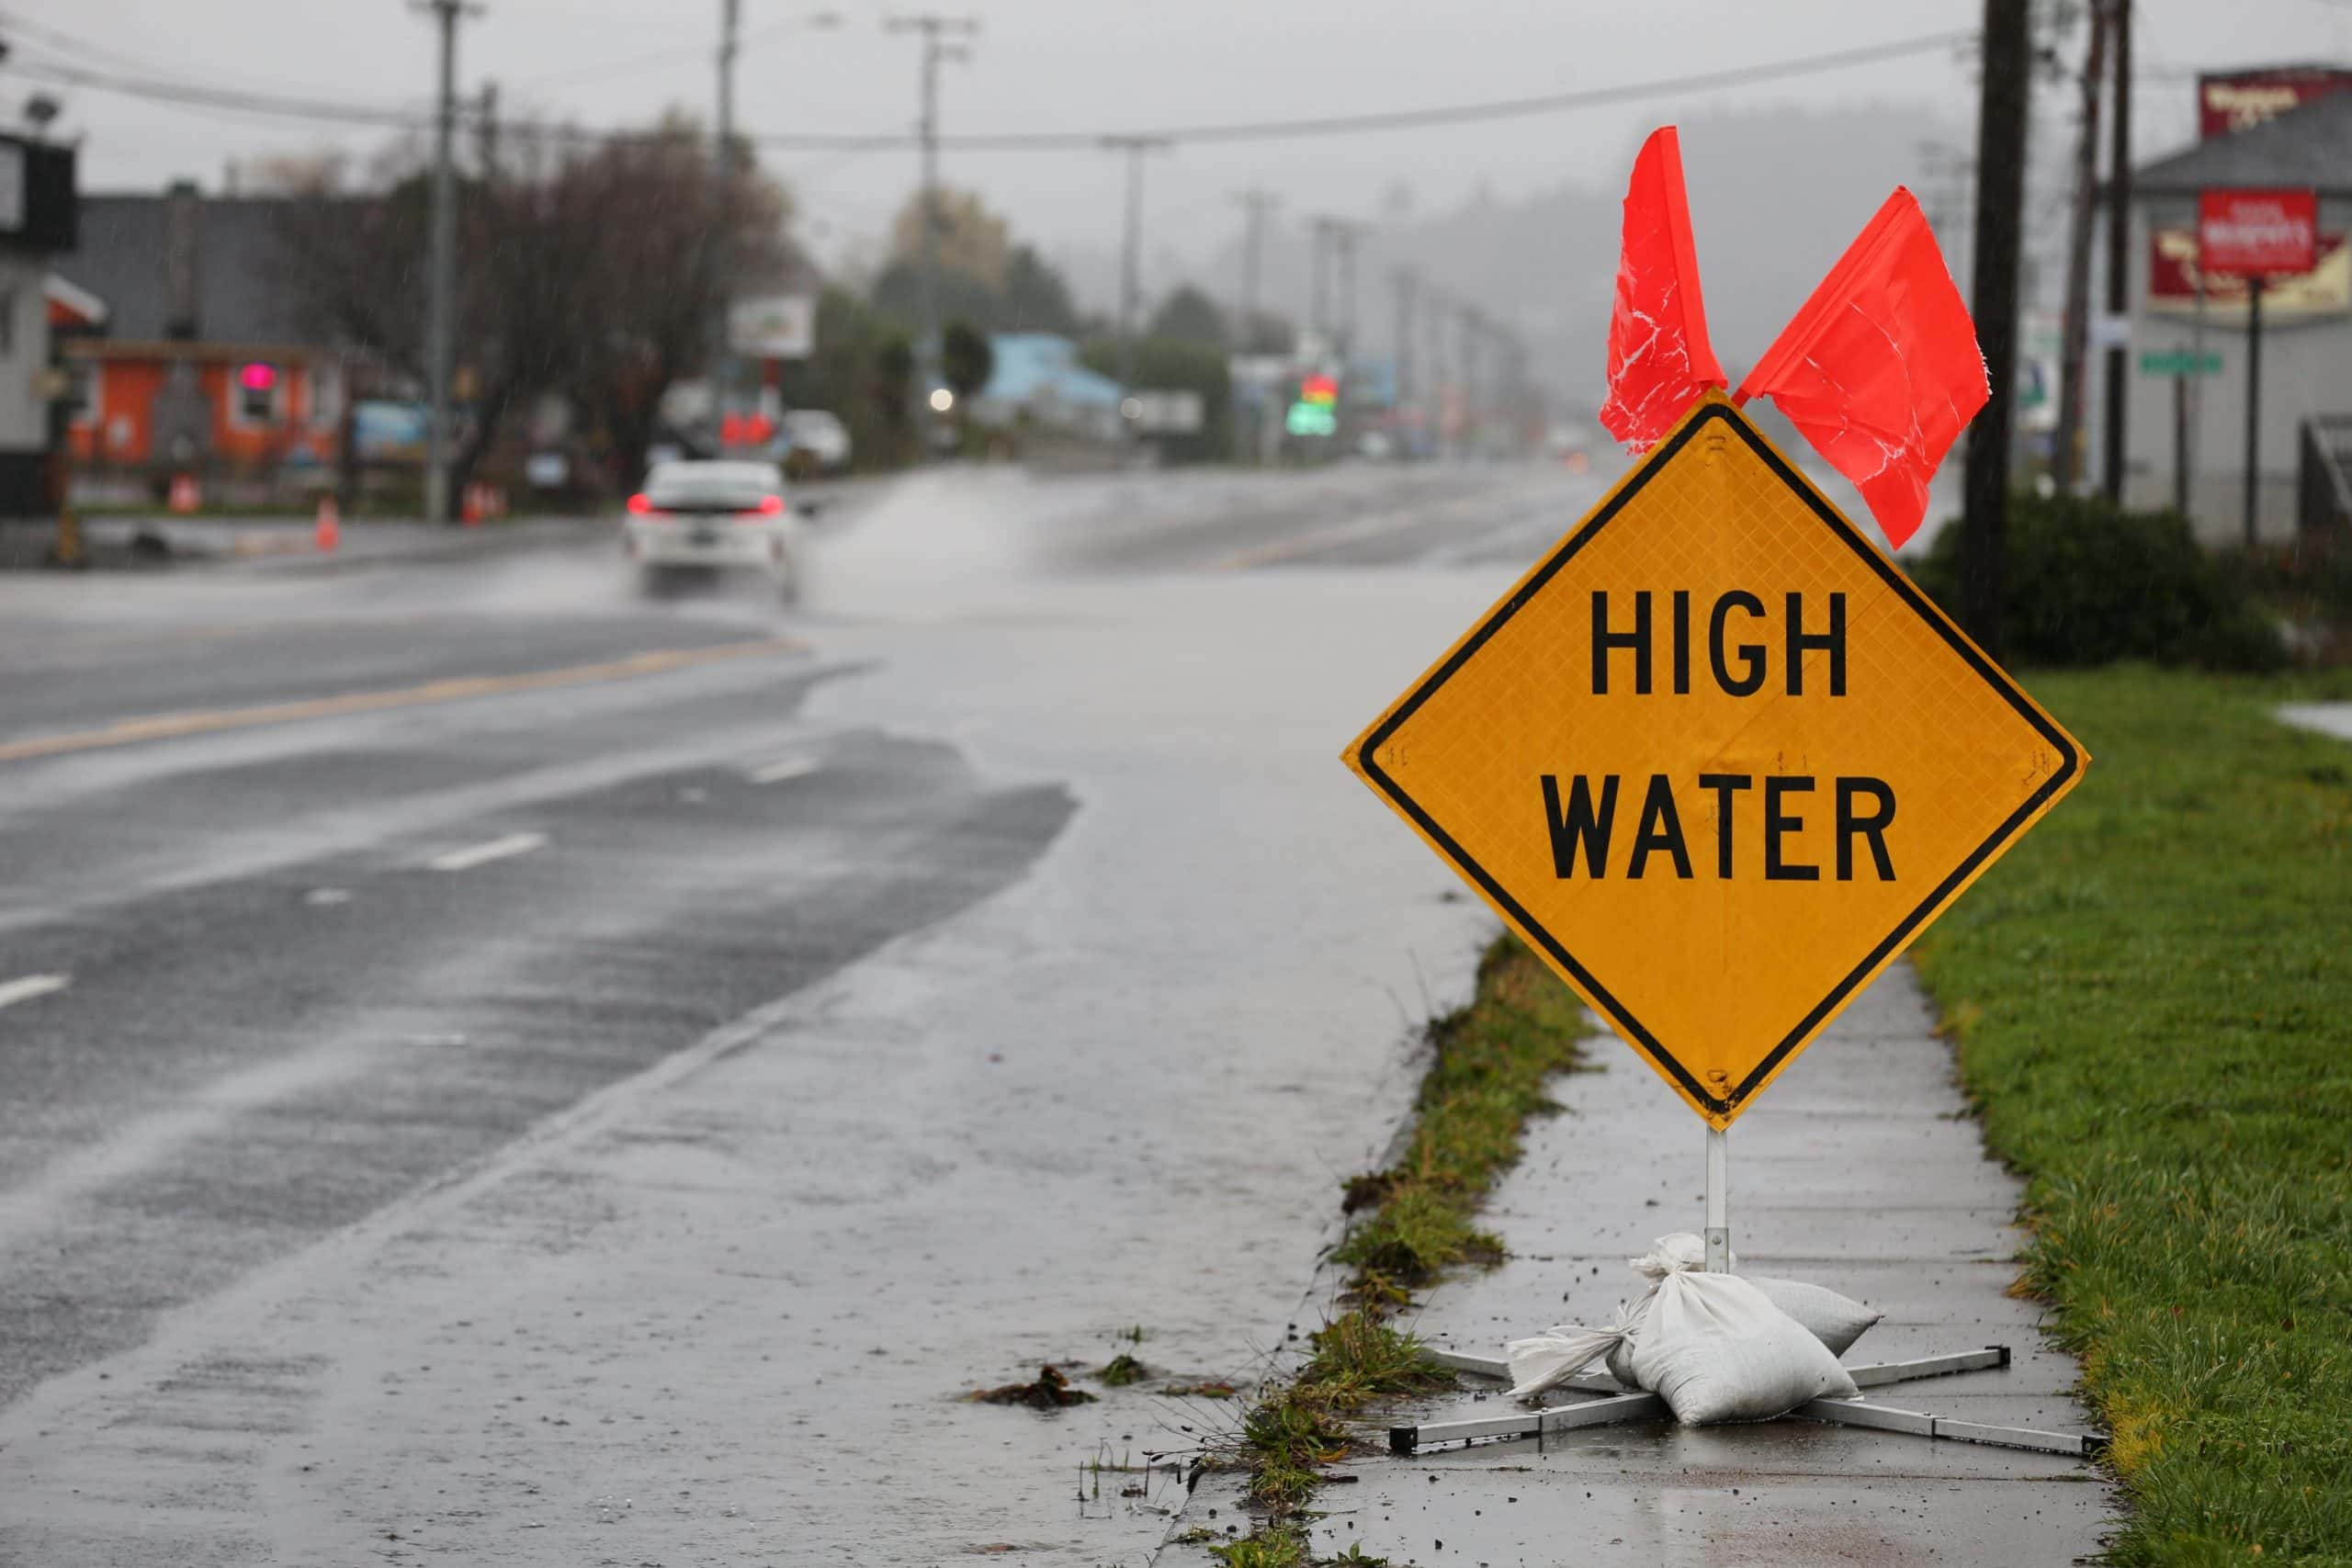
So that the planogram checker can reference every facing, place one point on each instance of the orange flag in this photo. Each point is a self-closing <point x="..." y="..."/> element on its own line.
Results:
<point x="1659" y="361"/>
<point x="1880" y="370"/>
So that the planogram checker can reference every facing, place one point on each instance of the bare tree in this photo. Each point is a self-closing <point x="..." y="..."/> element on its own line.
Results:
<point x="584" y="268"/>
<point x="645" y="262"/>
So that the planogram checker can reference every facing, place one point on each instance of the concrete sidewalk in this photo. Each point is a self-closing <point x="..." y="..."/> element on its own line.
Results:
<point x="1861" y="1170"/>
<point x="2324" y="718"/>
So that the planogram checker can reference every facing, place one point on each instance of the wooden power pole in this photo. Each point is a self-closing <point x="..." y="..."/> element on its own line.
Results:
<point x="2117" y="385"/>
<point x="2066" y="452"/>
<point x="2000" y="202"/>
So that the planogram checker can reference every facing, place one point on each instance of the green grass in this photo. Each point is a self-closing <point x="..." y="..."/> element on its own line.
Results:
<point x="1488" y="1066"/>
<point x="1277" y="1547"/>
<point x="2152" y="997"/>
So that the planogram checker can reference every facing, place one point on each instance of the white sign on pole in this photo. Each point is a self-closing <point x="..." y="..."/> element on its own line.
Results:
<point x="1164" y="413"/>
<point x="778" y="326"/>
<point x="12" y="187"/>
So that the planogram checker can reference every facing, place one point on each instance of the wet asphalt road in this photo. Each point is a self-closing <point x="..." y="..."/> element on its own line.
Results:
<point x="527" y="838"/>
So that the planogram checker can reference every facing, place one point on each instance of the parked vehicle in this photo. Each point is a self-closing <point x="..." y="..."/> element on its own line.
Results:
<point x="813" y="441"/>
<point x="700" y="518"/>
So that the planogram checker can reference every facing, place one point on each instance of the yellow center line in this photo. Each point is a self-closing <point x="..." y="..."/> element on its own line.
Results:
<point x="210" y="721"/>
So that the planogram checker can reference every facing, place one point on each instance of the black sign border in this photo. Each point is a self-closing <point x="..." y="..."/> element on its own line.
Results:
<point x="2070" y="758"/>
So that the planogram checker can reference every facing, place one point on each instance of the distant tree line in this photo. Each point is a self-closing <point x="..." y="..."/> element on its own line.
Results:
<point x="592" y="271"/>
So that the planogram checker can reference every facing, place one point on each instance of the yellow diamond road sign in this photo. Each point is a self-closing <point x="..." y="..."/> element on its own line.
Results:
<point x="1717" y="759"/>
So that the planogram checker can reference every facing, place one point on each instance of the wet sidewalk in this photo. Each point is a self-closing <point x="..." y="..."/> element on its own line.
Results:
<point x="1861" y="1170"/>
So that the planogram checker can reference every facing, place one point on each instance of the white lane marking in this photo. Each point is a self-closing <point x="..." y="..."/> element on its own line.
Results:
<point x="31" y="985"/>
<point x="479" y="854"/>
<point x="325" y="896"/>
<point x="777" y="773"/>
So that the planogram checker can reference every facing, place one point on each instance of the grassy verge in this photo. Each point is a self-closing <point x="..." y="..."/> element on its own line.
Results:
<point x="2154" y="1002"/>
<point x="1488" y="1066"/>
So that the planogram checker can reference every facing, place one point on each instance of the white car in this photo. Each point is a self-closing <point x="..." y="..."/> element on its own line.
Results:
<point x="814" y="438"/>
<point x="708" y="517"/>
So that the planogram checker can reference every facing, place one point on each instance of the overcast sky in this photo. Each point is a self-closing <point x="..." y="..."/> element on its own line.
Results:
<point x="1076" y="64"/>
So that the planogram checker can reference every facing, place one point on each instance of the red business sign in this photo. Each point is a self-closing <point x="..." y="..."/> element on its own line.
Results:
<point x="2258" y="233"/>
<point x="2239" y="100"/>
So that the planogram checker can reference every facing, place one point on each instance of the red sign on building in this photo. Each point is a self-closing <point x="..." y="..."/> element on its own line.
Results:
<point x="2239" y="100"/>
<point x="2257" y="234"/>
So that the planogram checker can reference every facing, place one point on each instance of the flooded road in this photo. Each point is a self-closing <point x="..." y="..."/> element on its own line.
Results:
<point x="536" y="1076"/>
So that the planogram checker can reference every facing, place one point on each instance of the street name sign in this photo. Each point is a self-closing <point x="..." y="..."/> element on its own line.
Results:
<point x="2179" y="362"/>
<point x="1716" y="760"/>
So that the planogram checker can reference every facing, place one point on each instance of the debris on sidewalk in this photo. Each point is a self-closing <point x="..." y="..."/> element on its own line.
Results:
<point x="1050" y="1392"/>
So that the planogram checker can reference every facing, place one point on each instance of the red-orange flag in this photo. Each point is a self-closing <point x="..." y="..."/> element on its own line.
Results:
<point x="1881" y="371"/>
<point x="1659" y="360"/>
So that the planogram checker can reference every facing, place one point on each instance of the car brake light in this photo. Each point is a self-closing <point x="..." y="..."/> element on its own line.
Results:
<point x="641" y="505"/>
<point x="770" y="506"/>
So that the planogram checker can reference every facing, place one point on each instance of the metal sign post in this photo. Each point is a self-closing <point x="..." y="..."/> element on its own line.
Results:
<point x="2258" y="234"/>
<point x="1718" y="1201"/>
<point x="2253" y="409"/>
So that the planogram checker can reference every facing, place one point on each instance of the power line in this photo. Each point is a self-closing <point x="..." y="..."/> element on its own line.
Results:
<point x="60" y="41"/>
<point x="1502" y="109"/>
<point x="750" y="39"/>
<point x="190" y="94"/>
<point x="195" y="95"/>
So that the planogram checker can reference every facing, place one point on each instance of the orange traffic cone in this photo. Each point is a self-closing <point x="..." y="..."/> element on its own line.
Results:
<point x="328" y="534"/>
<point x="184" y="493"/>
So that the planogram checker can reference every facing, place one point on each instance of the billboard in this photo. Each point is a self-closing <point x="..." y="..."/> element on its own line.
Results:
<point x="2229" y="102"/>
<point x="2174" y="273"/>
<point x="777" y="326"/>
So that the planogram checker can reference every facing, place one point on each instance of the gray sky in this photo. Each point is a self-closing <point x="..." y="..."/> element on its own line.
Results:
<point x="1080" y="64"/>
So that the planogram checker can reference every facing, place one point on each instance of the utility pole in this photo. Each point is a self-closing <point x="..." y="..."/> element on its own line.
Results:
<point x="2067" y="453"/>
<point x="1131" y="257"/>
<point x="2119" y="251"/>
<point x="486" y="132"/>
<point x="1255" y="203"/>
<point x="1406" y="283"/>
<point x="1339" y="234"/>
<point x="1320" y="232"/>
<point x="1473" y="323"/>
<point x="1435" y="306"/>
<point x="1515" y="396"/>
<point x="441" y="264"/>
<point x="936" y="30"/>
<point x="2000" y="200"/>
<point x="722" y="364"/>
<point x="1344" y="236"/>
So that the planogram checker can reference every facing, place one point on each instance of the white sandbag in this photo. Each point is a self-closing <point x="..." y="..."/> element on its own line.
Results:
<point x="1548" y="1360"/>
<point x="1837" y="1321"/>
<point x="1715" y="1349"/>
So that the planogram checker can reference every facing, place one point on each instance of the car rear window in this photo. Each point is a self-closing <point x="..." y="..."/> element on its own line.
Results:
<point x="683" y="484"/>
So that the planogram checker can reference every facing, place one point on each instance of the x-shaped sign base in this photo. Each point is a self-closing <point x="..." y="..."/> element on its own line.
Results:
<point x="1616" y="1403"/>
